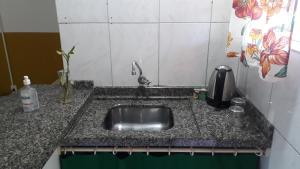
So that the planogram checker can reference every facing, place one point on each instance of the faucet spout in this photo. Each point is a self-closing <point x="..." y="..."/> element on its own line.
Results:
<point x="142" y="80"/>
<point x="133" y="71"/>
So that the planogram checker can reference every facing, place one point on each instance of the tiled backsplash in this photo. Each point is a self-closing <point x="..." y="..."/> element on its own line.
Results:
<point x="279" y="102"/>
<point x="176" y="42"/>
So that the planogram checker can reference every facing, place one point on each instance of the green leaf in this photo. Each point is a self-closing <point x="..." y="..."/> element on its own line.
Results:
<point x="282" y="72"/>
<point x="66" y="59"/>
<point x="71" y="51"/>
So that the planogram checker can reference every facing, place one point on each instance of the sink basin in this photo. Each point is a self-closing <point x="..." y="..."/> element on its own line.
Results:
<point x="139" y="118"/>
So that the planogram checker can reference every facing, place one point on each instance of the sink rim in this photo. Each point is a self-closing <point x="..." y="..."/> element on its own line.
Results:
<point x="170" y="122"/>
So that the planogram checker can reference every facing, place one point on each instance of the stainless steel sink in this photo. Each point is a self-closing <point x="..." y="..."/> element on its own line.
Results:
<point x="139" y="118"/>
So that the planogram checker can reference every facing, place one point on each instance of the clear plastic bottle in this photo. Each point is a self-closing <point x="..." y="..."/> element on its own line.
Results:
<point x="29" y="97"/>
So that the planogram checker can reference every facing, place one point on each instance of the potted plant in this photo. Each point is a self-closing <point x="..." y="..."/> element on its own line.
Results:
<point x="64" y="75"/>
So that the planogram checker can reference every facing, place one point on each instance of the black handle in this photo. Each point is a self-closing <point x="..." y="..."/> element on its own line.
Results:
<point x="219" y="87"/>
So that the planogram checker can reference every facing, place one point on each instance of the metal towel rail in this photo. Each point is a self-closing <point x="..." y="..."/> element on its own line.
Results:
<point x="168" y="150"/>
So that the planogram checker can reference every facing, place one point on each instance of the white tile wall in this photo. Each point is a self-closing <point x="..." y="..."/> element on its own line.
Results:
<point x="185" y="10"/>
<point x="133" y="10"/>
<point x="169" y="38"/>
<point x="183" y="53"/>
<point x="81" y="11"/>
<point x="91" y="59"/>
<point x="217" y="45"/>
<point x="282" y="156"/>
<point x="221" y="10"/>
<point x="53" y="161"/>
<point x="285" y="107"/>
<point x="131" y="42"/>
<point x="283" y="111"/>
<point x="241" y="78"/>
<point x="258" y="91"/>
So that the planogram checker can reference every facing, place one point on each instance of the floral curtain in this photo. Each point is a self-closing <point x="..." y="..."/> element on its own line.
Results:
<point x="260" y="34"/>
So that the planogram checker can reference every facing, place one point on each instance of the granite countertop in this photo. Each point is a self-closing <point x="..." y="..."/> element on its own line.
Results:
<point x="196" y="124"/>
<point x="27" y="140"/>
<point x="89" y="130"/>
<point x="233" y="130"/>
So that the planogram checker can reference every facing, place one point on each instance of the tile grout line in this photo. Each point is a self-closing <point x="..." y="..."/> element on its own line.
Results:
<point x="208" y="47"/>
<point x="281" y="135"/>
<point x="158" y="38"/>
<point x="246" y="82"/>
<point x="134" y="22"/>
<point x="109" y="39"/>
<point x="270" y="102"/>
<point x="237" y="72"/>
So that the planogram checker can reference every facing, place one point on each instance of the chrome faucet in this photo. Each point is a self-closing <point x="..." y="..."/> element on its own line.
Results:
<point x="143" y="81"/>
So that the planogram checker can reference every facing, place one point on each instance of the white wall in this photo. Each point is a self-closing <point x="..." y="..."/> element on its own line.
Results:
<point x="176" y="42"/>
<point x="29" y="15"/>
<point x="53" y="161"/>
<point x="280" y="103"/>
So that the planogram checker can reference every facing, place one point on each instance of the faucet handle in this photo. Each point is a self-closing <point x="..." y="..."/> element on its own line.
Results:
<point x="143" y="80"/>
<point x="148" y="82"/>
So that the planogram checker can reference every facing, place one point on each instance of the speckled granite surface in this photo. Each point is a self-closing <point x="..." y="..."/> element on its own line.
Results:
<point x="27" y="140"/>
<point x="196" y="124"/>
<point x="148" y="91"/>
<point x="231" y="130"/>
<point x="89" y="131"/>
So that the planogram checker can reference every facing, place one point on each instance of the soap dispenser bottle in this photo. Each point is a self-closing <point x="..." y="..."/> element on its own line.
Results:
<point x="29" y="97"/>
